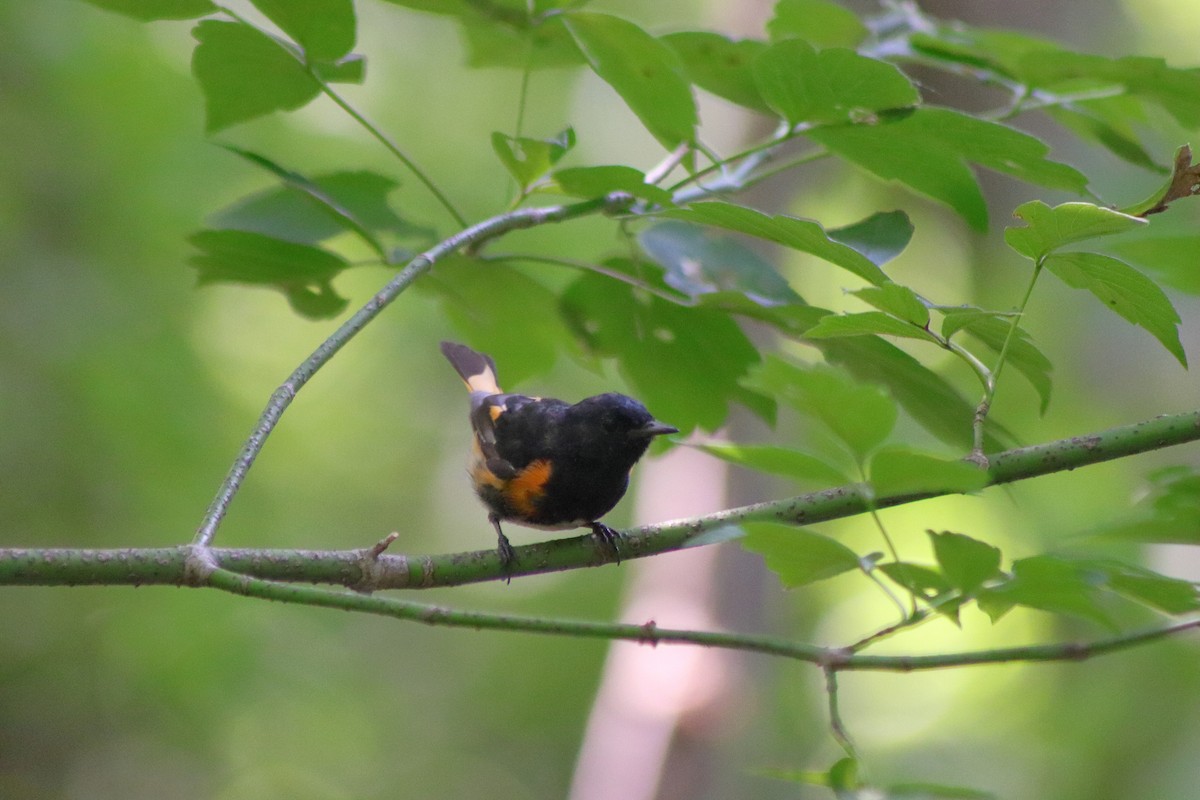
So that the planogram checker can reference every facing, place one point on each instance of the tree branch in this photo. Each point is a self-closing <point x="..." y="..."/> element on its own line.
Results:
<point x="368" y="569"/>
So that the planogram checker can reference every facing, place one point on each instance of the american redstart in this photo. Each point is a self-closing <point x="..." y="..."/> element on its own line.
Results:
<point x="546" y="463"/>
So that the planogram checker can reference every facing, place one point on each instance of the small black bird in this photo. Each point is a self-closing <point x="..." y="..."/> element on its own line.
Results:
<point x="545" y="463"/>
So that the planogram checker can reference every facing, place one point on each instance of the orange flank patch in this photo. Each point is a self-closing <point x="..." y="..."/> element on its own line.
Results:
<point x="526" y="489"/>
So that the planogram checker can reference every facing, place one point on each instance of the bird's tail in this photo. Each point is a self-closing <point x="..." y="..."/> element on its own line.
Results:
<point x="477" y="370"/>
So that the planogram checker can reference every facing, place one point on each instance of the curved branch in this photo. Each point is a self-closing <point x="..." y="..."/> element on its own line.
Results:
<point x="282" y="397"/>
<point x="367" y="570"/>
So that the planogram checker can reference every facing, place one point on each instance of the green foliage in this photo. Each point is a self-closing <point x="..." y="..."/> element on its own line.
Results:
<point x="700" y="301"/>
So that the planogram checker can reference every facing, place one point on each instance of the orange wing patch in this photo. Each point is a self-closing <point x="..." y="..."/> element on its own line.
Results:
<point x="524" y="491"/>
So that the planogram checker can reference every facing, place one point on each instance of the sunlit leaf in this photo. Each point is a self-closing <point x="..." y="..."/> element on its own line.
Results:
<point x="1048" y="583"/>
<point x="324" y="28"/>
<point x="931" y="150"/>
<point x="720" y="65"/>
<point x="644" y="72"/>
<point x="798" y="556"/>
<point x="866" y="323"/>
<point x="1123" y="289"/>
<point x="528" y="159"/>
<point x="1046" y="229"/>
<point x="821" y="22"/>
<point x="835" y="85"/>
<point x="229" y="51"/>
<point x="599" y="181"/>
<point x="992" y="328"/>
<point x="967" y="563"/>
<point x="899" y="301"/>
<point x="897" y="471"/>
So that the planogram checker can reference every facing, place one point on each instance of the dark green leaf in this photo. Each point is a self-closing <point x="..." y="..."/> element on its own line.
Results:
<point x="698" y="261"/>
<point x="720" y="65"/>
<point x="509" y="314"/>
<point x="867" y="323"/>
<point x="794" y="464"/>
<point x="926" y="396"/>
<point x="644" y="72"/>
<point x="880" y="237"/>
<point x="685" y="363"/>
<point x="860" y="415"/>
<point x="798" y="556"/>
<point x="1107" y="123"/>
<point x="930" y="150"/>
<point x="341" y="215"/>
<point x="1123" y="289"/>
<point x="529" y="159"/>
<point x="226" y="54"/>
<point x="896" y="471"/>
<point x="821" y="22"/>
<point x="967" y="563"/>
<point x="599" y="181"/>
<point x="835" y="85"/>
<point x="1047" y="229"/>
<point x="324" y="28"/>
<point x="288" y="212"/>
<point x="148" y="10"/>
<point x="302" y="272"/>
<point x="800" y="234"/>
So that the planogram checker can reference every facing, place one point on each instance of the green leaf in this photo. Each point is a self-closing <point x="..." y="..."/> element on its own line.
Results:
<point x="324" y="28"/>
<point x="967" y="563"/>
<point x="685" y="363"/>
<point x="534" y="44"/>
<point x="798" y="556"/>
<point x="896" y="470"/>
<point x="1107" y="123"/>
<point x="698" y="262"/>
<point x="799" y="234"/>
<point x="301" y="271"/>
<point x="598" y="181"/>
<point x="823" y="23"/>
<point x="147" y="10"/>
<point x="860" y="415"/>
<point x="351" y="69"/>
<point x="1169" y="595"/>
<point x="992" y="329"/>
<point x="341" y="216"/>
<point x="1047" y="229"/>
<point x="835" y="85"/>
<point x="720" y="65"/>
<point x="933" y="402"/>
<point x="226" y="54"/>
<point x="794" y="464"/>
<point x="867" y="323"/>
<point x="529" y="159"/>
<point x="880" y="237"/>
<point x="509" y="313"/>
<point x="644" y="72"/>
<point x="1123" y="289"/>
<point x="289" y="212"/>
<point x="930" y="150"/>
<point x="1172" y="257"/>
<point x="899" y="301"/>
<point x="1170" y="511"/>
<point x="1048" y="583"/>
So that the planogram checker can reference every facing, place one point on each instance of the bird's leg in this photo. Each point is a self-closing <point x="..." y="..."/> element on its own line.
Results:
<point x="608" y="538"/>
<point x="504" y="548"/>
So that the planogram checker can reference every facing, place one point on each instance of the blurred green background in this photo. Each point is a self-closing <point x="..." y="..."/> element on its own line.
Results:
<point x="125" y="392"/>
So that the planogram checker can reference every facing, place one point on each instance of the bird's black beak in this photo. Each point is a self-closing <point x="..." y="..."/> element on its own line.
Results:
<point x="654" y="428"/>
